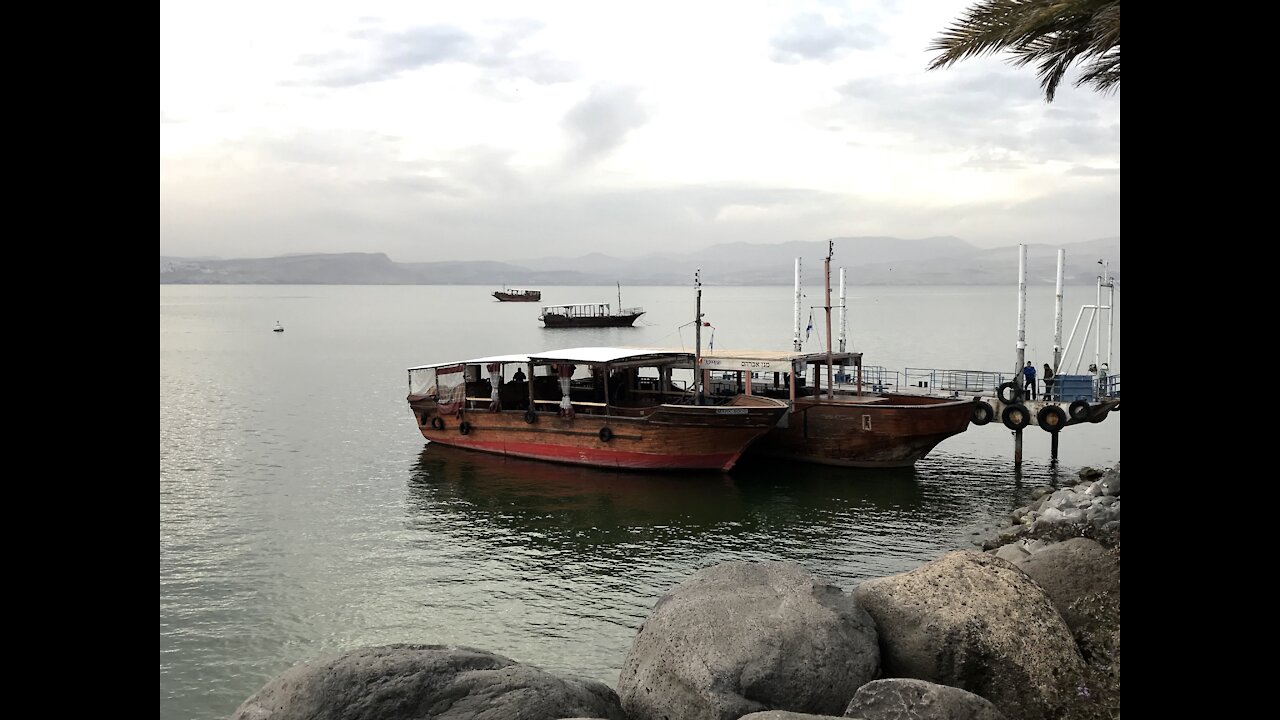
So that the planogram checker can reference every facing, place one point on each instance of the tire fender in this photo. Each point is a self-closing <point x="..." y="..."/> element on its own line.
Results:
<point x="1016" y="416"/>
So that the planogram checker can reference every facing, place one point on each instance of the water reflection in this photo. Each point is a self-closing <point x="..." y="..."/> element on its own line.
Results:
<point x="569" y="504"/>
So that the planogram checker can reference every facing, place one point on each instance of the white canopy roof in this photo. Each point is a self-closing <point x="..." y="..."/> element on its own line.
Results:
<point x="596" y="355"/>
<point x="582" y="355"/>
<point x="477" y="361"/>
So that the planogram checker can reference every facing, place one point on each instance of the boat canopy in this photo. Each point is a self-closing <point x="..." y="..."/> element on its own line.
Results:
<point x="774" y="361"/>
<point x="614" y="355"/>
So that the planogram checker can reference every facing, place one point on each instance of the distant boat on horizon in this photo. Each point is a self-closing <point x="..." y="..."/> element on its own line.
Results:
<point x="517" y="295"/>
<point x="591" y="315"/>
<point x="278" y="327"/>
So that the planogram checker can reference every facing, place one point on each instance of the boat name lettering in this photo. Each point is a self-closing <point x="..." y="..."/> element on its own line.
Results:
<point x="731" y="411"/>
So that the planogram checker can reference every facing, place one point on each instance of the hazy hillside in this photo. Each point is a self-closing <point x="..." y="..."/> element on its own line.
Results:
<point x="867" y="260"/>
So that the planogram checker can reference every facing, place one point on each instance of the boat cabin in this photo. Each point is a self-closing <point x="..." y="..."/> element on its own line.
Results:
<point x="782" y="375"/>
<point x="595" y="380"/>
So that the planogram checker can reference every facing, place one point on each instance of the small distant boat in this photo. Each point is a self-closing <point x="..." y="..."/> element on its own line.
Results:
<point x="516" y="295"/>
<point x="278" y="327"/>
<point x="589" y="315"/>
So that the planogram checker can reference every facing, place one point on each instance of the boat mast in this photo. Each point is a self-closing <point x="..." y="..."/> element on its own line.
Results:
<point x="827" y="272"/>
<point x="619" y="296"/>
<point x="1057" y="311"/>
<point x="844" y="321"/>
<point x="1022" y="311"/>
<point x="795" y="339"/>
<point x="698" y="336"/>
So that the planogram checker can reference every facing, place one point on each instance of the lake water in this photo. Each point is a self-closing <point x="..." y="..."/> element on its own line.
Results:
<point x="302" y="513"/>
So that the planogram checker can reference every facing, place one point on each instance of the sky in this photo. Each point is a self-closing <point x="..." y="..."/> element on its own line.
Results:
<point x="496" y="130"/>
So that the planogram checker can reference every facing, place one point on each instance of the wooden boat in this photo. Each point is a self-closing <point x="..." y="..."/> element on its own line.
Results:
<point x="589" y="315"/>
<point x="837" y="425"/>
<point x="597" y="406"/>
<point x="514" y="295"/>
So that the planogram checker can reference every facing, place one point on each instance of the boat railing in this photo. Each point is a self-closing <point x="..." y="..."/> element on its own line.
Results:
<point x="955" y="382"/>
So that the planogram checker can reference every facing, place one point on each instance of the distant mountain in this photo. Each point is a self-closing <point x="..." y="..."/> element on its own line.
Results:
<point x="867" y="260"/>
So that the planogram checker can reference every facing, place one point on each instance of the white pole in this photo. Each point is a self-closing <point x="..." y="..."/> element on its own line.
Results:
<point x="1022" y="310"/>
<point x="795" y="340"/>
<point x="844" y="320"/>
<point x="1111" y="316"/>
<point x="1057" y="311"/>
<point x="827" y="273"/>
<point x="1097" y="333"/>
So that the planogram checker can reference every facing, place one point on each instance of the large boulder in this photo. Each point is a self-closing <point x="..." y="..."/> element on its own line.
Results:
<point x="1072" y="570"/>
<point x="745" y="637"/>
<point x="418" y="681"/>
<point x="789" y="715"/>
<point x="976" y="622"/>
<point x="904" y="699"/>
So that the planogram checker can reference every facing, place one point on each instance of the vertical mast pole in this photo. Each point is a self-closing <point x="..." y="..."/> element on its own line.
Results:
<point x="697" y="355"/>
<point x="795" y="339"/>
<point x="1022" y="311"/>
<point x="827" y="272"/>
<point x="1057" y="311"/>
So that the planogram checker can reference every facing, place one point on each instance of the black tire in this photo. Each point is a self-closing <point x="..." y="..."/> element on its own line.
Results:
<point x="1052" y="418"/>
<point x="464" y="428"/>
<point x="1016" y="416"/>
<point x="437" y="422"/>
<point x="605" y="434"/>
<point x="1010" y="393"/>
<point x="982" y="413"/>
<point x="530" y="417"/>
<point x="1079" y="410"/>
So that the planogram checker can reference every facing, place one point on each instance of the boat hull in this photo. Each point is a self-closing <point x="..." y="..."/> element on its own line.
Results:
<point x="508" y="297"/>
<point x="669" y="438"/>
<point x="564" y="321"/>
<point x="887" y="432"/>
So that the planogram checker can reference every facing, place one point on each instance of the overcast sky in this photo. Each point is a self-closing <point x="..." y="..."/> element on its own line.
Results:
<point x="507" y="130"/>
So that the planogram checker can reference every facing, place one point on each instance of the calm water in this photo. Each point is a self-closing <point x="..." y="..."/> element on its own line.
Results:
<point x="302" y="513"/>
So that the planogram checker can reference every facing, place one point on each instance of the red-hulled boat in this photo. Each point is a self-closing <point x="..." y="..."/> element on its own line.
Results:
<point x="605" y="407"/>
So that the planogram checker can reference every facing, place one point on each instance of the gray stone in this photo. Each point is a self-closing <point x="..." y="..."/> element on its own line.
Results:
<point x="1090" y="473"/>
<point x="978" y="623"/>
<point x="1071" y="570"/>
<point x="1111" y="525"/>
<point x="395" y="682"/>
<point x="1105" y="500"/>
<point x="786" y="715"/>
<point x="1041" y="492"/>
<point x="744" y="637"/>
<point x="905" y="699"/>
<point x="1013" y="552"/>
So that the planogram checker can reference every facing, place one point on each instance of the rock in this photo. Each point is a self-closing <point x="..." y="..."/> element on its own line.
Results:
<point x="391" y="682"/>
<point x="1041" y="492"/>
<point x="1071" y="570"/>
<point x="1013" y="552"/>
<point x="978" y="623"/>
<point x="787" y="715"/>
<point x="742" y="637"/>
<point x="905" y="699"/>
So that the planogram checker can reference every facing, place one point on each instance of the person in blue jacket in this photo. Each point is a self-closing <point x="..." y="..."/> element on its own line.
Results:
<point x="1029" y="380"/>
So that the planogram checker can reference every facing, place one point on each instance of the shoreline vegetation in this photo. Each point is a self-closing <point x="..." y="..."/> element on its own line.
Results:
<point x="1027" y="628"/>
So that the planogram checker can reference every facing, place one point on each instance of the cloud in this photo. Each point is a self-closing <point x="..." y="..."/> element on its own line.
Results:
<point x="602" y="121"/>
<point x="377" y="55"/>
<point x="810" y="37"/>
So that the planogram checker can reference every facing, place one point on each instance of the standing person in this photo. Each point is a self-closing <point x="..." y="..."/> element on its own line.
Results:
<point x="1103" y="390"/>
<point x="1048" y="382"/>
<point x="1029" y="377"/>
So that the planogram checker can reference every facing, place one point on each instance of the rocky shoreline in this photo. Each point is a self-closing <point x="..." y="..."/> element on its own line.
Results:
<point x="1028" y="628"/>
